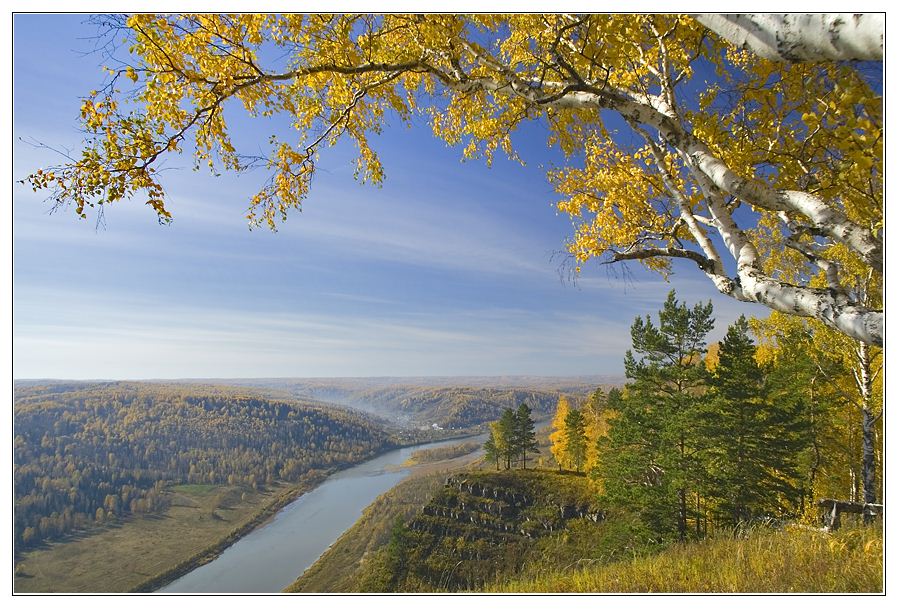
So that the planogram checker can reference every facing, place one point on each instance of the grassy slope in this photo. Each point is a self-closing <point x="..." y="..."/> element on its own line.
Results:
<point x="443" y="453"/>
<point x="484" y="527"/>
<point x="793" y="560"/>
<point x="336" y="570"/>
<point x="590" y="558"/>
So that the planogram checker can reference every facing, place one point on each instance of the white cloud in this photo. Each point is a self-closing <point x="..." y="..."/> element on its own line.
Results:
<point x="123" y="338"/>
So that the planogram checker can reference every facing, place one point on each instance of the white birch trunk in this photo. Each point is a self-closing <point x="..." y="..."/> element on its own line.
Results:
<point x="819" y="37"/>
<point x="753" y="285"/>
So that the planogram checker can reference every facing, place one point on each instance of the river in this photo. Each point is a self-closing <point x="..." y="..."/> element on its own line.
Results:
<point x="271" y="557"/>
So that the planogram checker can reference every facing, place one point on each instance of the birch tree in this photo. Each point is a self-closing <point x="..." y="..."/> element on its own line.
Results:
<point x="795" y="37"/>
<point x="558" y="437"/>
<point x="766" y="174"/>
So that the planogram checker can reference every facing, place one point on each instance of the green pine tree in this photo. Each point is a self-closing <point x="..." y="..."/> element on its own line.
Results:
<point x="525" y="437"/>
<point x="651" y="457"/>
<point x="753" y="442"/>
<point x="505" y="437"/>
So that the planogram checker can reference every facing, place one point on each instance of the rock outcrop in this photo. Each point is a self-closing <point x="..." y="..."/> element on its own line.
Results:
<point x="485" y="522"/>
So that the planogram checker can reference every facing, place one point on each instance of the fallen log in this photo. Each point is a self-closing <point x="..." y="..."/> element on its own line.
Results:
<point x="832" y="509"/>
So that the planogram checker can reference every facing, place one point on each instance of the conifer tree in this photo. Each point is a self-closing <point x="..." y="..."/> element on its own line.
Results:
<point x="753" y="443"/>
<point x="505" y="436"/>
<point x="597" y="445"/>
<point x="843" y="384"/>
<point x="525" y="437"/>
<point x="796" y="369"/>
<point x="652" y="453"/>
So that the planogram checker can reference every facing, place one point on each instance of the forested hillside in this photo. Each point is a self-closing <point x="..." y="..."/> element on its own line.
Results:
<point x="424" y="402"/>
<point x="95" y="452"/>
<point x="457" y="407"/>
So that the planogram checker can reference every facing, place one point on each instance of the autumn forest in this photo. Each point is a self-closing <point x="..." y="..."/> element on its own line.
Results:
<point x="101" y="452"/>
<point x="635" y="343"/>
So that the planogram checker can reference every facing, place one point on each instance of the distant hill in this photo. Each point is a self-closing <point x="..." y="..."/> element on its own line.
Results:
<point x="449" y="402"/>
<point x="571" y="384"/>
<point x="93" y="452"/>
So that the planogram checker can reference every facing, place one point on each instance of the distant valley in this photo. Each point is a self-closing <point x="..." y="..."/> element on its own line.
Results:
<point x="448" y="402"/>
<point x="97" y="461"/>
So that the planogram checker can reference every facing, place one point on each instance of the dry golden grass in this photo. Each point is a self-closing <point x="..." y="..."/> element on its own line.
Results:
<point x="118" y="558"/>
<point x="793" y="560"/>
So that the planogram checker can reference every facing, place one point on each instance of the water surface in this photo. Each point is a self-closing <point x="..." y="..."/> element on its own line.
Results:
<point x="272" y="556"/>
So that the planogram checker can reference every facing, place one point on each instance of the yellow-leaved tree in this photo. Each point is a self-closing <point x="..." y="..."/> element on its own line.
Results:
<point x="843" y="387"/>
<point x="745" y="144"/>
<point x="597" y="414"/>
<point x="558" y="437"/>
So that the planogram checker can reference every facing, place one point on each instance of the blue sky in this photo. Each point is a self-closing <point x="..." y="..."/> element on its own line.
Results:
<point x="450" y="268"/>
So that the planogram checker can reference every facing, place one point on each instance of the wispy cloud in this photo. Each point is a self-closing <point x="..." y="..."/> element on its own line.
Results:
<point x="404" y="231"/>
<point x="127" y="339"/>
<point x="366" y="229"/>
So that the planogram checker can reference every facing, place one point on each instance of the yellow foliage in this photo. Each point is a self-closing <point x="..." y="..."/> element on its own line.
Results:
<point x="803" y="126"/>
<point x="559" y="446"/>
<point x="711" y="357"/>
<point x="597" y="417"/>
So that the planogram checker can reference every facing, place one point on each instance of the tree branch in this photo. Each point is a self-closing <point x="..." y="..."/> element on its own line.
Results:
<point x="701" y="261"/>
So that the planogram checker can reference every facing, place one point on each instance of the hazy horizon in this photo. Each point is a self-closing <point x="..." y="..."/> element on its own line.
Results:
<point x="533" y="377"/>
